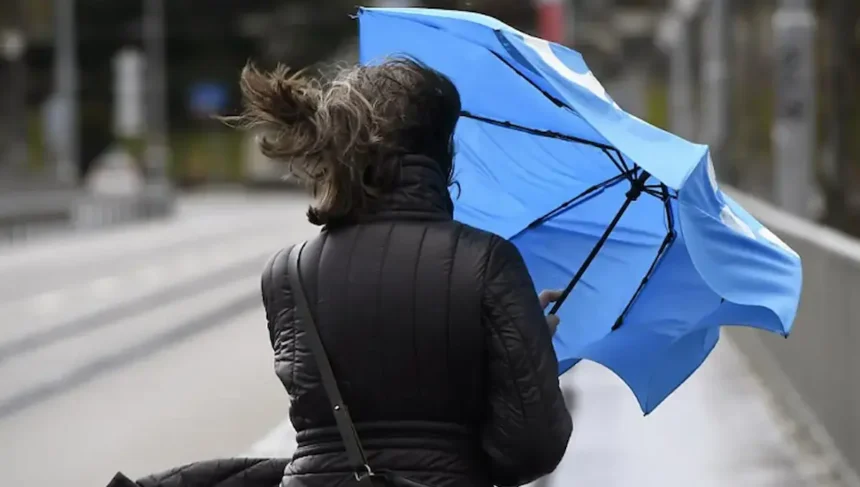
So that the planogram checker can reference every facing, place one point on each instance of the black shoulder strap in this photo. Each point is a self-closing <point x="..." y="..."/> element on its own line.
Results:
<point x="354" y="451"/>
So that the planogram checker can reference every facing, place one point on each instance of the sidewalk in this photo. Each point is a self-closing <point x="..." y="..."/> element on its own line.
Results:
<point x="717" y="430"/>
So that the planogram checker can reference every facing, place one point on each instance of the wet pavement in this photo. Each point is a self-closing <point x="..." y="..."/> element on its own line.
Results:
<point x="145" y="347"/>
<point x="142" y="347"/>
<point x="719" y="429"/>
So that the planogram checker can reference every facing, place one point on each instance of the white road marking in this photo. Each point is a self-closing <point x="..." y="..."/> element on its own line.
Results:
<point x="151" y="274"/>
<point x="105" y="285"/>
<point x="48" y="303"/>
<point x="279" y="443"/>
<point x="189" y="263"/>
<point x="218" y="254"/>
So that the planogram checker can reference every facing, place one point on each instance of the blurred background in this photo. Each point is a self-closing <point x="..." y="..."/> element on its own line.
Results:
<point x="133" y="225"/>
<point x="77" y="96"/>
<point x="88" y="84"/>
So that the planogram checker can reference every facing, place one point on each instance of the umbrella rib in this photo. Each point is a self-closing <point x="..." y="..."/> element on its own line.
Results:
<point x="637" y="187"/>
<point x="540" y="133"/>
<point x="657" y="192"/>
<point x="621" y="164"/>
<point x="579" y="198"/>
<point x="513" y="68"/>
<point x="621" y="168"/>
<point x="664" y="247"/>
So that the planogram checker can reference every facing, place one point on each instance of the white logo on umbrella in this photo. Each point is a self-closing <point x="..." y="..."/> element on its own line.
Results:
<point x="735" y="223"/>
<point x="731" y="220"/>
<point x="771" y="237"/>
<point x="712" y="174"/>
<point x="543" y="49"/>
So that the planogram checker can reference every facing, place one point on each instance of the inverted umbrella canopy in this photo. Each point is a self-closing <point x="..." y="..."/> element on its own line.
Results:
<point x="626" y="217"/>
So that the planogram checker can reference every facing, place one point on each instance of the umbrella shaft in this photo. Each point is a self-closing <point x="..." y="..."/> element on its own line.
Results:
<point x="638" y="185"/>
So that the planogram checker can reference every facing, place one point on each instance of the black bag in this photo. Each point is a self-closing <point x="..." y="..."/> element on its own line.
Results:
<point x="364" y="475"/>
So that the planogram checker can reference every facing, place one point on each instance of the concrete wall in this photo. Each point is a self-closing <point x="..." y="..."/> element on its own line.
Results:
<point x="27" y="212"/>
<point x="815" y="374"/>
<point x="32" y="214"/>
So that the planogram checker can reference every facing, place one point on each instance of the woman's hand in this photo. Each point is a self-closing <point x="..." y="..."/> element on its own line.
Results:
<point x="546" y="298"/>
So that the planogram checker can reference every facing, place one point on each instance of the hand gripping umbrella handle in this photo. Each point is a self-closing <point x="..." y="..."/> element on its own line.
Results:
<point x="637" y="186"/>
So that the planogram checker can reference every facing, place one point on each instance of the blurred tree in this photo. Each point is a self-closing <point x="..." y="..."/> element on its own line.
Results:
<point x="842" y="127"/>
<point x="13" y="86"/>
<point x="205" y="42"/>
<point x="304" y="32"/>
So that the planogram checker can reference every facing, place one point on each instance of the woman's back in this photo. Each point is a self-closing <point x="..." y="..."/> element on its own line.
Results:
<point x="397" y="303"/>
<point x="400" y="320"/>
<point x="436" y="337"/>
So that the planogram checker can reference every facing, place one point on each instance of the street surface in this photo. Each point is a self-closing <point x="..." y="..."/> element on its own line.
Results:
<point x="718" y="430"/>
<point x="140" y="348"/>
<point x="145" y="347"/>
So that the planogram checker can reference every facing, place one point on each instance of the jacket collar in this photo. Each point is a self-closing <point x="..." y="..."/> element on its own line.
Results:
<point x="421" y="193"/>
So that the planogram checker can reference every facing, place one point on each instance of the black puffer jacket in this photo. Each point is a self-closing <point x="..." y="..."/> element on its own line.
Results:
<point x="438" y="342"/>
<point x="234" y="472"/>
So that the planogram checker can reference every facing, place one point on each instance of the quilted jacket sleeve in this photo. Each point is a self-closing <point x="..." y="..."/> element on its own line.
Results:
<point x="289" y="358"/>
<point x="527" y="427"/>
<point x="232" y="472"/>
<point x="272" y="286"/>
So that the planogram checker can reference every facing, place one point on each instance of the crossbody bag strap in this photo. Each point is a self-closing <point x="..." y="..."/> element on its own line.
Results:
<point x="345" y="426"/>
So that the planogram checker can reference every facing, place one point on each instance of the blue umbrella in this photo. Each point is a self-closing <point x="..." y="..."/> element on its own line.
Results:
<point x="627" y="218"/>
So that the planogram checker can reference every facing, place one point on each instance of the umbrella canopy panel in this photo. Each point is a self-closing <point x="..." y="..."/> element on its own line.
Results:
<point x="534" y="183"/>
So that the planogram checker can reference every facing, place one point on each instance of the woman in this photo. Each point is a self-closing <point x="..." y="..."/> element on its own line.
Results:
<point x="433" y="328"/>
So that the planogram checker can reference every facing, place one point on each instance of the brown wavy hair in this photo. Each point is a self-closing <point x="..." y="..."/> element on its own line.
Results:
<point x="343" y="137"/>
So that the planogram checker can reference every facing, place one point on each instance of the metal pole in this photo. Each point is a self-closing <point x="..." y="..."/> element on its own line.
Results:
<point x="794" y="132"/>
<point x="13" y="90"/>
<point x="158" y="196"/>
<point x="66" y="89"/>
<point x="840" y="204"/>
<point x="681" y="78"/>
<point x="551" y="20"/>
<point x="156" y="104"/>
<point x="716" y="86"/>
<point x="19" y="89"/>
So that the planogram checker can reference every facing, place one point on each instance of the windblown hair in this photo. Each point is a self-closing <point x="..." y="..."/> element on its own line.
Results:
<point x="344" y="137"/>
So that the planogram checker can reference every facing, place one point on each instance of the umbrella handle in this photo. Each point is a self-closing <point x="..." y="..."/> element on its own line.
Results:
<point x="557" y="304"/>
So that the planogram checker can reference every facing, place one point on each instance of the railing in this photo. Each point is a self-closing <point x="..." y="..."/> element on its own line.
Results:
<point x="25" y="215"/>
<point x="815" y="374"/>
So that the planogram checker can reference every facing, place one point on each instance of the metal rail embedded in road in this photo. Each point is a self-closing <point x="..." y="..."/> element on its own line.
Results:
<point x="113" y="314"/>
<point x="215" y="317"/>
